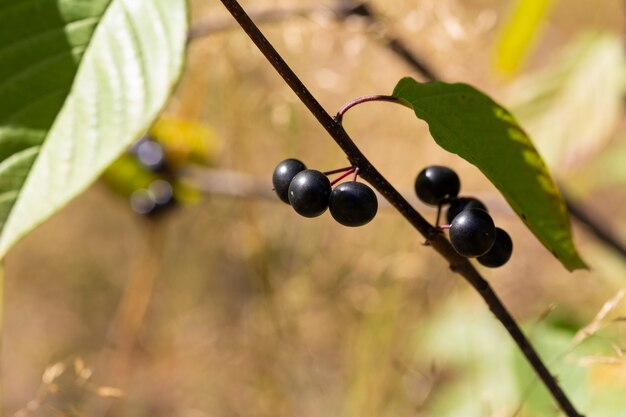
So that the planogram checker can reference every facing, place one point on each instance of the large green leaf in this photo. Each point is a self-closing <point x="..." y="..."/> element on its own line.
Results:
<point x="79" y="80"/>
<point x="464" y="121"/>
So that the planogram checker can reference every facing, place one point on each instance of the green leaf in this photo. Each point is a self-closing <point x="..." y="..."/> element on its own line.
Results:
<point x="464" y="121"/>
<point x="79" y="80"/>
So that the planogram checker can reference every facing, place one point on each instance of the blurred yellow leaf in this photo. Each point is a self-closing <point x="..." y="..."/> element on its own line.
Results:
<point x="185" y="141"/>
<point x="109" y="392"/>
<point x="610" y="372"/>
<point x="519" y="32"/>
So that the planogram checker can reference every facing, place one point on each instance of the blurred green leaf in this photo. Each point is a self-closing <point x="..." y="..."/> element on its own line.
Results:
<point x="127" y="175"/>
<point x="553" y="343"/>
<point x="589" y="372"/>
<point x="571" y="108"/>
<point x="519" y="32"/>
<point x="464" y="121"/>
<point x="605" y="170"/>
<point x="474" y="362"/>
<point x="81" y="80"/>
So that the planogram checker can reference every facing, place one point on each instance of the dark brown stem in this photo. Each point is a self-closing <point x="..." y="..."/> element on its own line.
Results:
<point x="457" y="263"/>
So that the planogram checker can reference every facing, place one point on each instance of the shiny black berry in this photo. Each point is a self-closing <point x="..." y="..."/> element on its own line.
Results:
<point x="437" y="185"/>
<point x="500" y="252"/>
<point x="472" y="232"/>
<point x="283" y="174"/>
<point x="459" y="204"/>
<point x="353" y="204"/>
<point x="309" y="193"/>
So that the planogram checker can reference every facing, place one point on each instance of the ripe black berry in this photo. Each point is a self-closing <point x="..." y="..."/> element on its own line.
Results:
<point x="283" y="174"/>
<point x="472" y="232"/>
<point x="459" y="204"/>
<point x="353" y="204"/>
<point x="309" y="193"/>
<point x="500" y="252"/>
<point x="437" y="185"/>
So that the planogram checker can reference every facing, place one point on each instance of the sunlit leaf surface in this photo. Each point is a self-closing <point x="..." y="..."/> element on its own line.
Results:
<point x="79" y="81"/>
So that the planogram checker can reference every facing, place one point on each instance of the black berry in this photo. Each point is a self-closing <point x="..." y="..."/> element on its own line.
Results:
<point x="283" y="174"/>
<point x="437" y="185"/>
<point x="141" y="202"/>
<point x="309" y="193"/>
<point x="353" y="204"/>
<point x="161" y="192"/>
<point x="155" y="200"/>
<point x="500" y="252"/>
<point x="149" y="153"/>
<point x="459" y="204"/>
<point x="472" y="232"/>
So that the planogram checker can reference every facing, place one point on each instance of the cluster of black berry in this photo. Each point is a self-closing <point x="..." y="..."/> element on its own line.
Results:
<point x="158" y="196"/>
<point x="310" y="193"/>
<point x="471" y="229"/>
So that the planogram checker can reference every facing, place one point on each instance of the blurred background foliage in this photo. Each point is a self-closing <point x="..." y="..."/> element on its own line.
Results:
<point x="230" y="304"/>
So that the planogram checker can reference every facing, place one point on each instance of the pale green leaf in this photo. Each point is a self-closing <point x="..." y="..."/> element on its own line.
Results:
<point x="591" y="372"/>
<point x="464" y="121"/>
<point x="572" y="107"/>
<point x="79" y="81"/>
<point x="604" y="171"/>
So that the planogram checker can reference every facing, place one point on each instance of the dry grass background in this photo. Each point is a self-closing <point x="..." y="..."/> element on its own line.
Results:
<point x="254" y="311"/>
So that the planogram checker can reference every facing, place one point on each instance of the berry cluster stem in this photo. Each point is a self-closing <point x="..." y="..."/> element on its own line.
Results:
<point x="350" y="171"/>
<point x="438" y="215"/>
<point x="457" y="263"/>
<point x="337" y="171"/>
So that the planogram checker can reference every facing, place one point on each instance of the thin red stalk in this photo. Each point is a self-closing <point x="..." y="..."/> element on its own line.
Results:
<point x="336" y="180"/>
<point x="336" y="171"/>
<point x="356" y="174"/>
<point x="364" y="99"/>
